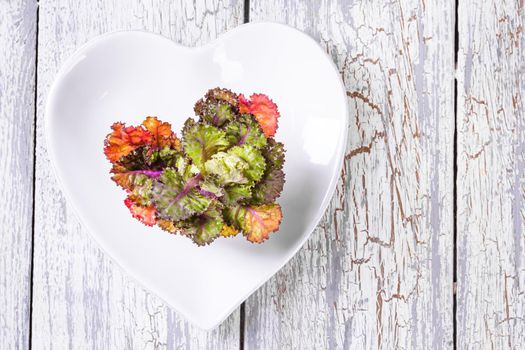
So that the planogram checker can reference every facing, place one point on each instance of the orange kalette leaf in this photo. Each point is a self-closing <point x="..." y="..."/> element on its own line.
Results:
<point x="124" y="140"/>
<point x="260" y="221"/>
<point x="264" y="110"/>
<point x="146" y="215"/>
<point x="128" y="179"/>
<point x="229" y="231"/>
<point x="161" y="133"/>
<point x="123" y="179"/>
<point x="167" y="225"/>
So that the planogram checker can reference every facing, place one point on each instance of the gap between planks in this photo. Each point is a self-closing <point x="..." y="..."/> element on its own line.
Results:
<point x="30" y="335"/>
<point x="455" y="172"/>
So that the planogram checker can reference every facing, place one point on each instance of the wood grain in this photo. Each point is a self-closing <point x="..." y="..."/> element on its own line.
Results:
<point x="17" y="96"/>
<point x="491" y="175"/>
<point x="377" y="272"/>
<point x="81" y="299"/>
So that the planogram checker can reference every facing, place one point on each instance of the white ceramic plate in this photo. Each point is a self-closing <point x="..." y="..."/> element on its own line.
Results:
<point x="127" y="76"/>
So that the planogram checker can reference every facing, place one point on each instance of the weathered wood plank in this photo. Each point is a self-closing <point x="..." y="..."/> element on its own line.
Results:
<point x="82" y="299"/>
<point x="17" y="96"/>
<point x="377" y="272"/>
<point x="491" y="175"/>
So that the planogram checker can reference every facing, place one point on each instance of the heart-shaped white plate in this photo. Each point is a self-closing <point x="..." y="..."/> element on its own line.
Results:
<point x="127" y="76"/>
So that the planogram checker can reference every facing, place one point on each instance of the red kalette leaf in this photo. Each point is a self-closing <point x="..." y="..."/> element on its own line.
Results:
<point x="144" y="214"/>
<point x="244" y="104"/>
<point x="264" y="110"/>
<point x="124" y="140"/>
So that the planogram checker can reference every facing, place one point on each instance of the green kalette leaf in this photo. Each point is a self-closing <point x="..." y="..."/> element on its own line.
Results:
<point x="210" y="186"/>
<point x="227" y="168"/>
<point x="269" y="188"/>
<point x="245" y="130"/>
<point x="143" y="190"/>
<point x="177" y="198"/>
<point x="253" y="157"/>
<point x="217" y="107"/>
<point x="185" y="169"/>
<point x="223" y="113"/>
<point x="167" y="157"/>
<point x="217" y="114"/>
<point x="136" y="160"/>
<point x="204" y="228"/>
<point x="236" y="193"/>
<point x="147" y="158"/>
<point x="223" y="95"/>
<point x="202" y="141"/>
<point x="271" y="185"/>
<point x="274" y="154"/>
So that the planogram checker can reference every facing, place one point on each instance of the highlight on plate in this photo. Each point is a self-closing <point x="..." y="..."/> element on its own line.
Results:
<point x="220" y="179"/>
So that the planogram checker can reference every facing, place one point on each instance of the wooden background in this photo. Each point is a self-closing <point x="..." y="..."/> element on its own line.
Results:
<point x="423" y="245"/>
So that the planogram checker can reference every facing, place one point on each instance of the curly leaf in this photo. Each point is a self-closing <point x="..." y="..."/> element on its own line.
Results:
<point x="253" y="158"/>
<point x="225" y="95"/>
<point x="135" y="160"/>
<point x="168" y="226"/>
<point x="177" y="198"/>
<point x="269" y="188"/>
<point x="145" y="214"/>
<point x="256" y="222"/>
<point x="209" y="188"/>
<point x="149" y="158"/>
<point x="227" y="168"/>
<point x="124" y="140"/>
<point x="229" y="231"/>
<point x="167" y="157"/>
<point x="162" y="135"/>
<point x="204" y="228"/>
<point x="264" y="110"/>
<point x="236" y="193"/>
<point x="245" y="130"/>
<point x="217" y="113"/>
<point x="274" y="154"/>
<point x="134" y="179"/>
<point x="217" y="107"/>
<point x="202" y="141"/>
